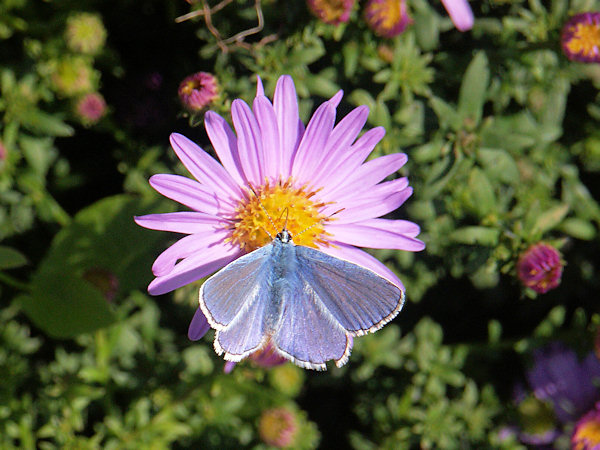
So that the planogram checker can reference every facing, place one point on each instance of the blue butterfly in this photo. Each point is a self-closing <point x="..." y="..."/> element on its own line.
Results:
<point x="308" y="304"/>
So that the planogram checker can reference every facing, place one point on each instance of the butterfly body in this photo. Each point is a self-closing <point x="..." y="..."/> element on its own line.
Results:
<point x="308" y="304"/>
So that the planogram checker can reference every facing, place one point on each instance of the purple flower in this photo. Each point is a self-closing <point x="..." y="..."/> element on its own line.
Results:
<point x="311" y="173"/>
<point x="387" y="18"/>
<point x="586" y="435"/>
<point x="540" y="268"/>
<point x="332" y="12"/>
<point x="581" y="37"/>
<point x="90" y="108"/>
<point x="278" y="427"/>
<point x="558" y="377"/>
<point x="198" y="91"/>
<point x="266" y="357"/>
<point x="460" y="13"/>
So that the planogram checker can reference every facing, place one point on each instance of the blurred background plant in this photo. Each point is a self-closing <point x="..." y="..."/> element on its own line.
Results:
<point x="500" y="123"/>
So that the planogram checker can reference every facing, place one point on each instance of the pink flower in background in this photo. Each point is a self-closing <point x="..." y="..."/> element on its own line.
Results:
<point x="278" y="427"/>
<point x="198" y="91"/>
<point x="460" y="13"/>
<point x="540" y="268"/>
<point x="581" y="37"/>
<point x="310" y="173"/>
<point x="387" y="18"/>
<point x="332" y="12"/>
<point x="90" y="108"/>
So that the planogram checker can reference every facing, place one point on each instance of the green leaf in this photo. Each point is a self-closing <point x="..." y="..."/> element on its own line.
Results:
<point x="473" y="89"/>
<point x="579" y="228"/>
<point x="445" y="112"/>
<point x="44" y="123"/>
<point x="499" y="164"/>
<point x="549" y="219"/>
<point x="11" y="258"/>
<point x="64" y="305"/>
<point x="105" y="236"/>
<point x="476" y="235"/>
<point x="482" y="193"/>
<point x="351" y="52"/>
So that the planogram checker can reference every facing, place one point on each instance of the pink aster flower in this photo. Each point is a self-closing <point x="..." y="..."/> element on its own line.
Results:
<point x="311" y="173"/>
<point x="581" y="37"/>
<point x="460" y="13"/>
<point x="540" y="268"/>
<point x="387" y="18"/>
<point x="278" y="427"/>
<point x="586" y="435"/>
<point x="332" y="12"/>
<point x="90" y="108"/>
<point x="198" y="91"/>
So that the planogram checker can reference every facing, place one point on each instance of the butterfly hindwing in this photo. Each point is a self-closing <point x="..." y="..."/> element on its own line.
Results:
<point x="359" y="299"/>
<point x="231" y="290"/>
<point x="307" y="333"/>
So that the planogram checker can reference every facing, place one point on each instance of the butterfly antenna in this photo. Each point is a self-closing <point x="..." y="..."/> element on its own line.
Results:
<point x="265" y="211"/>
<point x="317" y="223"/>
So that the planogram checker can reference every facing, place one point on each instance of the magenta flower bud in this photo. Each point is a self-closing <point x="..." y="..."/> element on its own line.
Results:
<point x="332" y="12"/>
<point x="278" y="427"/>
<point x="540" y="268"/>
<point x="581" y="37"/>
<point x="197" y="91"/>
<point x="267" y="357"/>
<point x="90" y="108"/>
<point x="586" y="434"/>
<point x="387" y="18"/>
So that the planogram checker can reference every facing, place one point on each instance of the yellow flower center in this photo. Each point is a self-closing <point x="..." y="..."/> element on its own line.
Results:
<point x="585" y="40"/>
<point x="587" y="435"/>
<point x="284" y="203"/>
<point x="331" y="10"/>
<point x="387" y="13"/>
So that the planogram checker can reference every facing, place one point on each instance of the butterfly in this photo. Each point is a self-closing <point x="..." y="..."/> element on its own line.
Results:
<point x="307" y="304"/>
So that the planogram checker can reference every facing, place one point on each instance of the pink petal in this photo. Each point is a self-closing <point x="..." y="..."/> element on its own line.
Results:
<point x="204" y="168"/>
<point x="194" y="268"/>
<point x="190" y="193"/>
<point x="249" y="141"/>
<point x="198" y="326"/>
<point x="259" y="87"/>
<point x="224" y="142"/>
<point x="356" y="256"/>
<point x="364" y="236"/>
<point x="229" y="366"/>
<point x="351" y="161"/>
<point x="460" y="13"/>
<point x="310" y="150"/>
<point x="340" y="140"/>
<point x="368" y="208"/>
<point x="265" y="116"/>
<point x="371" y="173"/>
<point x="187" y="246"/>
<point x="285" y="104"/>
<point x="404" y="227"/>
<point x="336" y="99"/>
<point x="180" y="222"/>
<point x="349" y="196"/>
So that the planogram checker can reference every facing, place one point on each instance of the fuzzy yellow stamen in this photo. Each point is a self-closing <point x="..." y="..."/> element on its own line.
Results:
<point x="281" y="201"/>
<point x="587" y="433"/>
<point x="585" y="40"/>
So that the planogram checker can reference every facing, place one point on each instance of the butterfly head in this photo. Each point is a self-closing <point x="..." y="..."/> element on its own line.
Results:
<point x="284" y="236"/>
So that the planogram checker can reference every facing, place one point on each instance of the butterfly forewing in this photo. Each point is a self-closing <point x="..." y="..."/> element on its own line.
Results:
<point x="232" y="290"/>
<point x="359" y="299"/>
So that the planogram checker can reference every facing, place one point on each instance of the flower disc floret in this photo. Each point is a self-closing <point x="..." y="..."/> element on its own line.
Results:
<point x="581" y="37"/>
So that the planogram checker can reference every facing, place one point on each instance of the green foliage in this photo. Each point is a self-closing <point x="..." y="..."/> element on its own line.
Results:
<point x="502" y="135"/>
